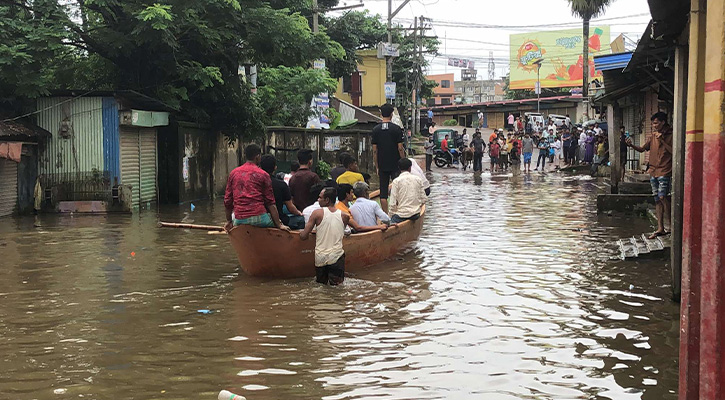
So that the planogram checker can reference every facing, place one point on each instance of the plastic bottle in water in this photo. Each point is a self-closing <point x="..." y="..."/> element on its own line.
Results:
<point x="227" y="395"/>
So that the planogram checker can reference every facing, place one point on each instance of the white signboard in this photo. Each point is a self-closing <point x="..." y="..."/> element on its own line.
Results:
<point x="390" y="90"/>
<point x="388" y="50"/>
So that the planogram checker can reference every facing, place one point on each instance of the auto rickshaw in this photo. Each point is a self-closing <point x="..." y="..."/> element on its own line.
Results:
<point x="453" y="138"/>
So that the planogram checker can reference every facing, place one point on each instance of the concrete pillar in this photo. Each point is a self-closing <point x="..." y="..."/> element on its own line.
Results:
<point x="712" y="301"/>
<point x="614" y="120"/>
<point x="689" y="385"/>
<point x="678" y="167"/>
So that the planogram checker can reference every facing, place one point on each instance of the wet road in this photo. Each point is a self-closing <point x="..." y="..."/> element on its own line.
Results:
<point x="512" y="292"/>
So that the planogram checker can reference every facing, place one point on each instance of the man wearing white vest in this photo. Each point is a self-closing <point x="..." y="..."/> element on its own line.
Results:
<point x="330" y="223"/>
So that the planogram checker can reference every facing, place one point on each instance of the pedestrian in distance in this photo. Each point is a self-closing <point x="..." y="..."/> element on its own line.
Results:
<point x="387" y="150"/>
<point x="527" y="149"/>
<point x="330" y="223"/>
<point x="429" y="147"/>
<point x="478" y="146"/>
<point x="660" y="147"/>
<point x="543" y="147"/>
<point x="494" y="151"/>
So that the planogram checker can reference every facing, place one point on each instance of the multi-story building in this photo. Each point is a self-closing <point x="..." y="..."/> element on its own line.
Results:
<point x="481" y="91"/>
<point x="445" y="93"/>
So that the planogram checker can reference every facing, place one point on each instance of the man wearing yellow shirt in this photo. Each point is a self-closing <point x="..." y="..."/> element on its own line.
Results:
<point x="351" y="175"/>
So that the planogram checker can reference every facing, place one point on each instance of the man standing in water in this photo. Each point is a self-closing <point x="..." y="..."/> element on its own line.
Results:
<point x="329" y="254"/>
<point x="527" y="149"/>
<point x="387" y="150"/>
<point x="249" y="199"/>
<point x="660" y="169"/>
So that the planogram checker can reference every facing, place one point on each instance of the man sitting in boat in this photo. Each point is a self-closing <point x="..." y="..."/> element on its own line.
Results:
<point x="303" y="180"/>
<point x="351" y="174"/>
<point x="249" y="194"/>
<point x="365" y="211"/>
<point x="330" y="223"/>
<point x="315" y="191"/>
<point x="345" y="196"/>
<point x="282" y="196"/>
<point x="407" y="195"/>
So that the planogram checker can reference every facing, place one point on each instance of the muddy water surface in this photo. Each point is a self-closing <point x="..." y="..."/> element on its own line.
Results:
<point x="512" y="292"/>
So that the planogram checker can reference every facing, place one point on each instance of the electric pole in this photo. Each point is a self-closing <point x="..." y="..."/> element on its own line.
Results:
<point x="414" y="105"/>
<point x="391" y="15"/>
<point x="315" y="17"/>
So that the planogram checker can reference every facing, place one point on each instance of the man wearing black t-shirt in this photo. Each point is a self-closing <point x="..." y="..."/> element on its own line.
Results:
<point x="387" y="150"/>
<point x="282" y="195"/>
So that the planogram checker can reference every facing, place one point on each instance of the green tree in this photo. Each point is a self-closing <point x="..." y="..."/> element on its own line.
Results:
<point x="187" y="53"/>
<point x="586" y="10"/>
<point x="354" y="30"/>
<point x="30" y="37"/>
<point x="285" y="93"/>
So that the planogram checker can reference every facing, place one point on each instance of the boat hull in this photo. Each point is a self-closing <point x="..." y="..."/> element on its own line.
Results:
<point x="274" y="253"/>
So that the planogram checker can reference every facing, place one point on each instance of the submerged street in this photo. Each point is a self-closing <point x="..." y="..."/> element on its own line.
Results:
<point x="514" y="291"/>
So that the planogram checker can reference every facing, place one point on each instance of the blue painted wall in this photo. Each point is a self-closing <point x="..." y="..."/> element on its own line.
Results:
<point x="111" y="139"/>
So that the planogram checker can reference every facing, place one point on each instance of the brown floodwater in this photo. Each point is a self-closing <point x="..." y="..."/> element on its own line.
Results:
<point x="513" y="291"/>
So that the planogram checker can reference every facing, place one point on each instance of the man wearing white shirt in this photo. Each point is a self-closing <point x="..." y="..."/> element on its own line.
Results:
<point x="407" y="195"/>
<point x="365" y="211"/>
<point x="417" y="170"/>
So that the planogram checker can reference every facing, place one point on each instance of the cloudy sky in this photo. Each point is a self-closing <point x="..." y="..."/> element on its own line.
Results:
<point x="464" y="26"/>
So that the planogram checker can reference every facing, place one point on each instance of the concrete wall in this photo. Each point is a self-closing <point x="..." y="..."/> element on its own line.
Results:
<point x="27" y="175"/>
<point x="226" y="158"/>
<point x="356" y="142"/>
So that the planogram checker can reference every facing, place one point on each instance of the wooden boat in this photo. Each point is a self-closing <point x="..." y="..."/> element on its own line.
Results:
<point x="274" y="253"/>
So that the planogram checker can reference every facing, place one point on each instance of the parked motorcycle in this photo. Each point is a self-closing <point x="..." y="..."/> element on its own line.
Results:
<point x="441" y="159"/>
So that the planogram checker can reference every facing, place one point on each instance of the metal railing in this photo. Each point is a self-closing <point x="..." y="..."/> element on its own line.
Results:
<point x="78" y="186"/>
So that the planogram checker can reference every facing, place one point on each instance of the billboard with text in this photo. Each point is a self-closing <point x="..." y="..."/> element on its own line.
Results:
<point x="560" y="55"/>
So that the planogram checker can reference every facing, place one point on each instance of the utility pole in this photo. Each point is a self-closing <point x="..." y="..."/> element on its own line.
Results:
<point x="415" y="125"/>
<point x="315" y="17"/>
<point x="391" y="15"/>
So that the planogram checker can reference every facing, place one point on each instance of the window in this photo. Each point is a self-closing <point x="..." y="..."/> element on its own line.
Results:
<point x="445" y="84"/>
<point x="446" y="100"/>
<point x="347" y="83"/>
<point x="431" y="102"/>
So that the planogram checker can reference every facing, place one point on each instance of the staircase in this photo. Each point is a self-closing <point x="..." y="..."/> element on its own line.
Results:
<point x="642" y="247"/>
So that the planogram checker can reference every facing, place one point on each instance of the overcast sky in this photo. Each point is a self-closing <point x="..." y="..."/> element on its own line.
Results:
<point x="629" y="17"/>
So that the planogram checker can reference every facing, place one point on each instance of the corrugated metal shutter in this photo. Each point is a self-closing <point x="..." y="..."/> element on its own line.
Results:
<point x="9" y="185"/>
<point x="147" y="144"/>
<point x="130" y="162"/>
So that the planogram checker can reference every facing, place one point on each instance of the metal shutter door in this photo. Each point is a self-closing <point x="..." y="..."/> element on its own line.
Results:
<point x="8" y="186"/>
<point x="130" y="175"/>
<point x="147" y="146"/>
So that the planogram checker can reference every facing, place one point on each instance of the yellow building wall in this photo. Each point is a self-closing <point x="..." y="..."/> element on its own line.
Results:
<point x="372" y="71"/>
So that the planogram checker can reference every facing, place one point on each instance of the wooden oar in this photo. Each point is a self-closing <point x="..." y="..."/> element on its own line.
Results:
<point x="191" y="226"/>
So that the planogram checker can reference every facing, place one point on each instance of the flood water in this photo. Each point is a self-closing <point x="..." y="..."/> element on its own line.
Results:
<point x="512" y="292"/>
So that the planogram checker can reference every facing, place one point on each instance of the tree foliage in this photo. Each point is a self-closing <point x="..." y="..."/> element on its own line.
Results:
<point x="355" y="30"/>
<point x="186" y="53"/>
<point x="285" y="93"/>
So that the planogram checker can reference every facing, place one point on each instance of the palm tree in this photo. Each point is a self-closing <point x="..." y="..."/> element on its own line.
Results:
<point x="586" y="10"/>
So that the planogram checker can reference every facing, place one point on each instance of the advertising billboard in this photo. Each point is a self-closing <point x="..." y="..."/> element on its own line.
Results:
<point x="560" y="56"/>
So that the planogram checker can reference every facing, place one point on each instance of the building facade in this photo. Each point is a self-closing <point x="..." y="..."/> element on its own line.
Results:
<point x="445" y="93"/>
<point x="365" y="87"/>
<point x="479" y="91"/>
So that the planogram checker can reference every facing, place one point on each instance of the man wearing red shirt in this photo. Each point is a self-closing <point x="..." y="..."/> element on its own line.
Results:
<point x="249" y="194"/>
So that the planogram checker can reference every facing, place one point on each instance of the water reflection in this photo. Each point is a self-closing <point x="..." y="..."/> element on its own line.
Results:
<point x="512" y="292"/>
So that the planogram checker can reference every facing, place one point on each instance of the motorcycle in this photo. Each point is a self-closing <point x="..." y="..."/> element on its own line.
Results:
<point x="441" y="159"/>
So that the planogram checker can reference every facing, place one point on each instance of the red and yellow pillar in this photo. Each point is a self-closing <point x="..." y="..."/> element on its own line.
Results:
<point x="692" y="208"/>
<point x="702" y="321"/>
<point x="712" y="301"/>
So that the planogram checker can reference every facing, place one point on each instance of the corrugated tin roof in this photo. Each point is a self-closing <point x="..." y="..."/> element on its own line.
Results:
<point x="22" y="130"/>
<point x="612" y="61"/>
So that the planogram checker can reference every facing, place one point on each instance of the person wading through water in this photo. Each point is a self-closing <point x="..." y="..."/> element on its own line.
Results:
<point x="330" y="223"/>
